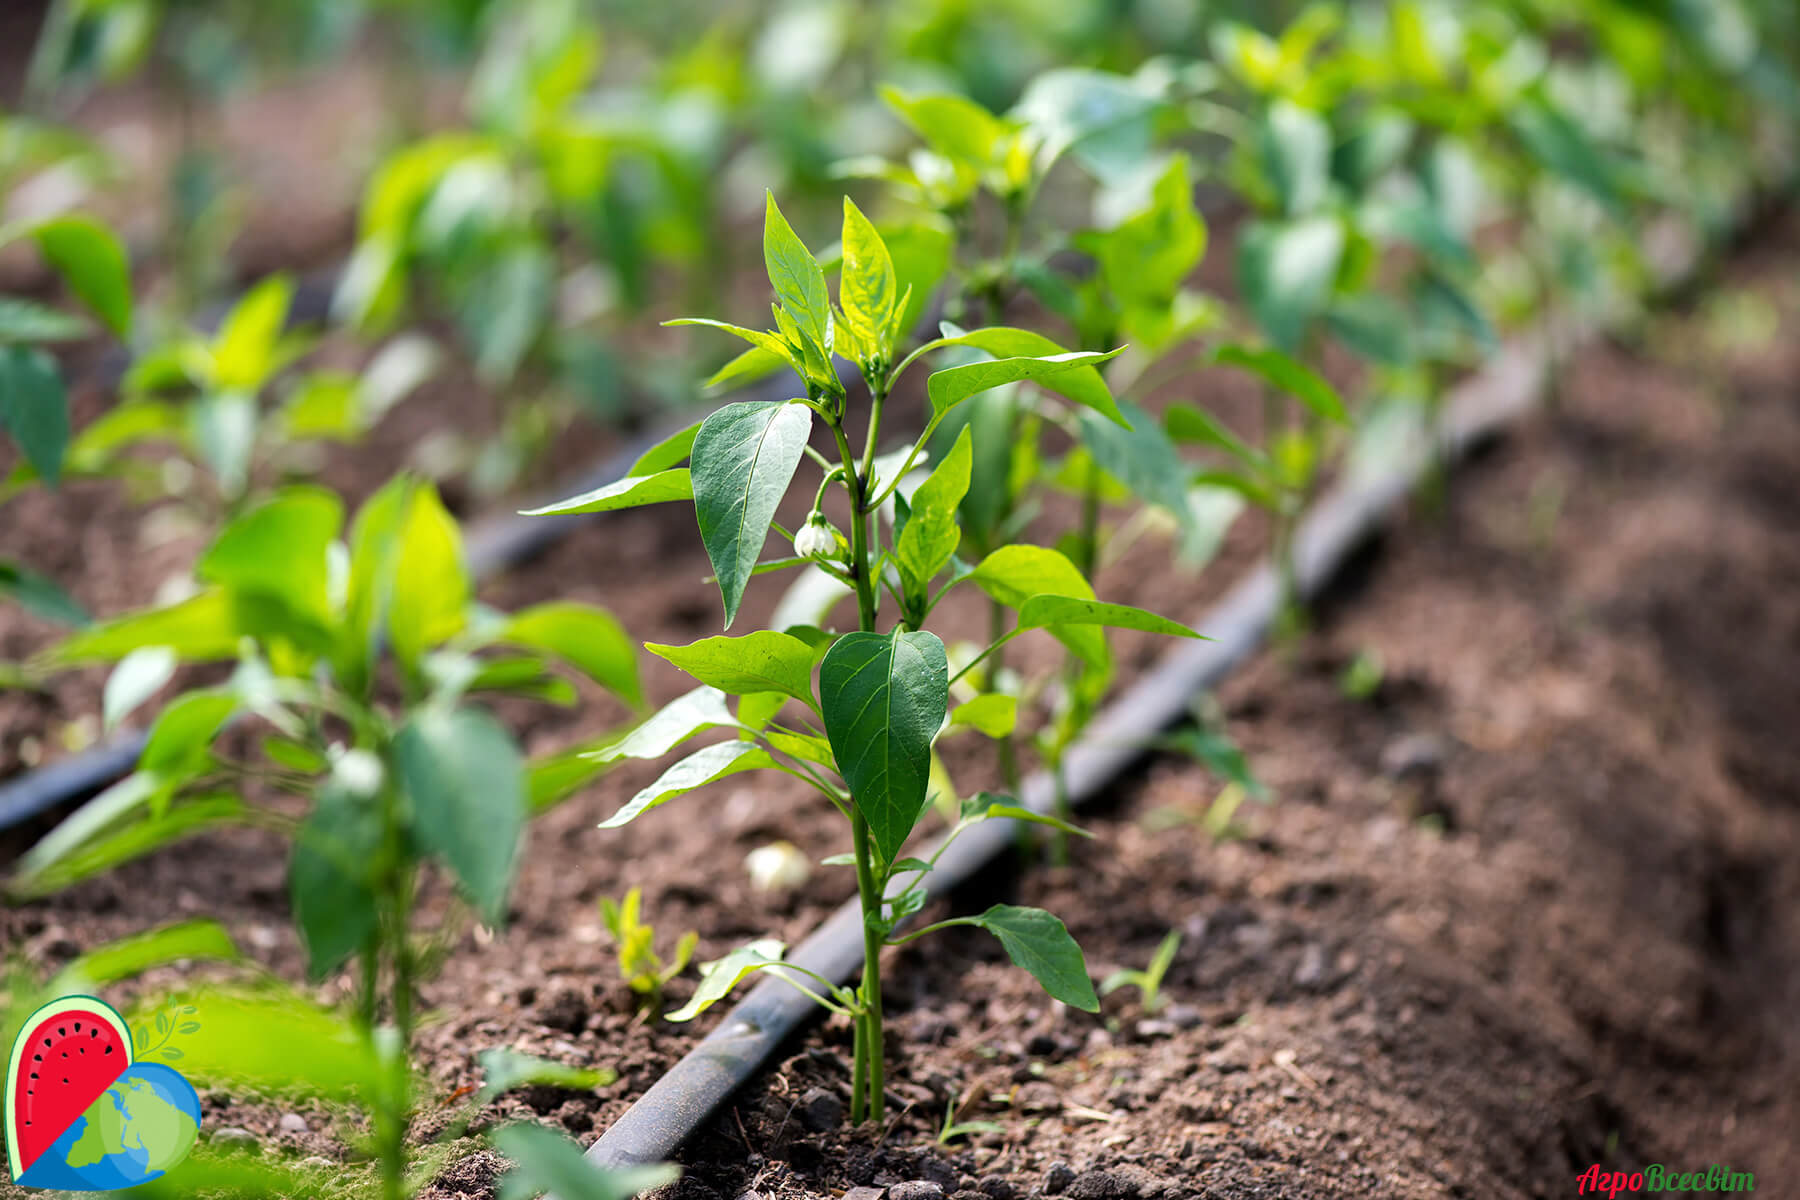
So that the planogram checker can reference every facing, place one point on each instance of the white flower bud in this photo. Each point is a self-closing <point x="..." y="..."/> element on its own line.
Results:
<point x="358" y="772"/>
<point x="816" y="539"/>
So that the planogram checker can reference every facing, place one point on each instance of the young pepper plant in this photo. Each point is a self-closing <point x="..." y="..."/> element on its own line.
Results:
<point x="399" y="775"/>
<point x="865" y="733"/>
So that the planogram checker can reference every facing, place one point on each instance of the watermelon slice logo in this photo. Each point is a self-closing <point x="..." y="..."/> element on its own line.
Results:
<point x="81" y="1116"/>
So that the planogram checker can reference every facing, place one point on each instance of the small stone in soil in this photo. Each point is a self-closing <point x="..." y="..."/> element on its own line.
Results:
<point x="1058" y="1178"/>
<point x="998" y="1187"/>
<point x="233" y="1138"/>
<point x="821" y="1110"/>
<point x="1183" y="1016"/>
<point x="293" y="1123"/>
<point x="1101" y="1185"/>
<point x="1039" y="1097"/>
<point x="865" y="1193"/>
<point x="916" y="1189"/>
<point x="566" y="1011"/>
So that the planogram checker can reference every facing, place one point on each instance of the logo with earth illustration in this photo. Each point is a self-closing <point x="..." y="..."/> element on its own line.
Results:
<point x="82" y="1113"/>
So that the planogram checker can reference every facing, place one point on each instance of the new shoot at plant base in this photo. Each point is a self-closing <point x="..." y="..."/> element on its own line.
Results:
<point x="862" y="737"/>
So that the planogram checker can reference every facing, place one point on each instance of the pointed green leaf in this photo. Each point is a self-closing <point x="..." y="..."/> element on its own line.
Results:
<point x="932" y="532"/>
<point x="550" y="1163"/>
<point x="1040" y="943"/>
<point x="1189" y="423"/>
<point x="139" y="675"/>
<point x="633" y="491"/>
<point x="1014" y="574"/>
<point x="200" y="629"/>
<point x="867" y="288"/>
<point x="764" y="661"/>
<point x="768" y="343"/>
<point x="1287" y="273"/>
<point x="245" y="352"/>
<point x="92" y="261"/>
<point x="39" y="595"/>
<point x="329" y="878"/>
<point x="1292" y="377"/>
<point x="797" y="278"/>
<point x="504" y="1069"/>
<point x="884" y="697"/>
<point x="467" y="785"/>
<point x="953" y="385"/>
<point x="588" y="638"/>
<point x="1140" y="456"/>
<point x="994" y="714"/>
<point x="698" y="769"/>
<point x="985" y="805"/>
<point x="24" y="320"/>
<point x="1044" y="611"/>
<point x="717" y="978"/>
<point x="753" y="364"/>
<point x="1077" y="382"/>
<point x="672" y="451"/>
<point x="686" y="716"/>
<point x="279" y="549"/>
<point x="34" y="408"/>
<point x="743" y="459"/>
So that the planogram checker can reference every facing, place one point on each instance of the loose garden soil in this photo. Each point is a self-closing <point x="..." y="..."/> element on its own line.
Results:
<point x="1532" y="905"/>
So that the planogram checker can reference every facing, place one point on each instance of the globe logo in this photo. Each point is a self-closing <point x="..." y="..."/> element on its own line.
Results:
<point x="81" y="1115"/>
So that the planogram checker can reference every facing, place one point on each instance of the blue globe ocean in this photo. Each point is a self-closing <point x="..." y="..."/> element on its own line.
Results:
<point x="139" y="1128"/>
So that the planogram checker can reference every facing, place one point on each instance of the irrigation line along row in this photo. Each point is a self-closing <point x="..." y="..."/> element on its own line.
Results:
<point x="1507" y="387"/>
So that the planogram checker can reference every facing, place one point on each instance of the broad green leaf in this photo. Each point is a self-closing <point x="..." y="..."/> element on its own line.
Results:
<point x="588" y="638"/>
<point x="246" y="353"/>
<point x="1188" y="423"/>
<point x="796" y="276"/>
<point x="1292" y="377"/>
<point x="39" y="595"/>
<point x="958" y="129"/>
<point x="336" y="851"/>
<point x="994" y="714"/>
<point x="932" y="533"/>
<point x="139" y="675"/>
<point x="1296" y="155"/>
<point x="717" y="978"/>
<point x="922" y="250"/>
<point x="1373" y="326"/>
<point x="1147" y="257"/>
<point x="986" y="805"/>
<point x="803" y="746"/>
<point x="92" y="261"/>
<point x="1045" y="611"/>
<point x="34" y="408"/>
<point x="1287" y="272"/>
<point x="131" y="956"/>
<point x="430" y="590"/>
<point x="548" y="1162"/>
<point x="200" y="629"/>
<point x="466" y="781"/>
<point x="758" y="339"/>
<point x="184" y="731"/>
<point x="49" y="869"/>
<point x="867" y="289"/>
<point x="952" y="385"/>
<point x="28" y="321"/>
<point x="279" y="548"/>
<point x="1105" y="119"/>
<point x="883" y="699"/>
<point x="697" y="770"/>
<point x="1140" y="456"/>
<point x="633" y="491"/>
<point x="508" y="310"/>
<point x="686" y="716"/>
<point x="254" y="1039"/>
<point x="753" y="364"/>
<point x="1567" y="151"/>
<point x="764" y="661"/>
<point x="743" y="459"/>
<point x="1040" y="943"/>
<point x="1079" y="383"/>
<point x="504" y="1069"/>
<point x="756" y="709"/>
<point x="1014" y="574"/>
<point x="555" y="777"/>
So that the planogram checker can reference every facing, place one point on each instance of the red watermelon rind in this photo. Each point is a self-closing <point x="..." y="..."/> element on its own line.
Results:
<point x="90" y="1008"/>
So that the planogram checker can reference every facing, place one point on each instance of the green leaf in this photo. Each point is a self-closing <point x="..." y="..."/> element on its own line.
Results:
<point x="201" y="629"/>
<point x="39" y="595"/>
<point x="254" y="1039"/>
<point x="672" y="451"/>
<point x="1040" y="943"/>
<point x="504" y="1069"/>
<point x="698" y="769"/>
<point x="1044" y="612"/>
<point x="764" y="661"/>
<point x="1292" y="377"/>
<point x="1296" y="154"/>
<point x="246" y="351"/>
<point x="686" y="716"/>
<point x="1188" y="423"/>
<point x="131" y="956"/>
<point x="768" y="343"/>
<point x="1106" y="119"/>
<point x="336" y="850"/>
<point x="804" y="746"/>
<point x="953" y="385"/>
<point x="49" y="869"/>
<point x="994" y="714"/>
<point x="139" y="675"/>
<point x="753" y="364"/>
<point x="987" y="805"/>
<point x="1216" y="752"/>
<point x="28" y="321"/>
<point x="633" y="491"/>
<point x="797" y="278"/>
<point x="717" y="978"/>
<point x="932" y="532"/>
<point x="92" y="262"/>
<point x="184" y="731"/>
<point x="1287" y="273"/>
<point x="1079" y="383"/>
<point x="429" y="600"/>
<point x="884" y="698"/>
<point x="548" y="1162"/>
<point x="1374" y="327"/>
<point x="1140" y="456"/>
<point x="957" y="128"/>
<point x="743" y="459"/>
<point x="507" y="311"/>
<point x="1014" y="574"/>
<point x="867" y="288"/>
<point x="1147" y="257"/>
<point x="34" y="407"/>
<point x="463" y="774"/>
<point x="588" y="638"/>
<point x="280" y="549"/>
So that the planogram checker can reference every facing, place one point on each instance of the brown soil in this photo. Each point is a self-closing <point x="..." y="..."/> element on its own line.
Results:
<point x="1531" y="906"/>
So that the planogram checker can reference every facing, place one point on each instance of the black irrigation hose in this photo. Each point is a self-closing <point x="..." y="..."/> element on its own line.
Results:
<point x="1509" y="386"/>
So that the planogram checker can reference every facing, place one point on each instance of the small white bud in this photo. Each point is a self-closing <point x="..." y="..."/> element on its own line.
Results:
<point x="358" y="772"/>
<point x="816" y="539"/>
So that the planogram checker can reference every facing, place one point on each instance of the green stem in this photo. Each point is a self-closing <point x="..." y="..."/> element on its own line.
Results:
<point x="870" y="1043"/>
